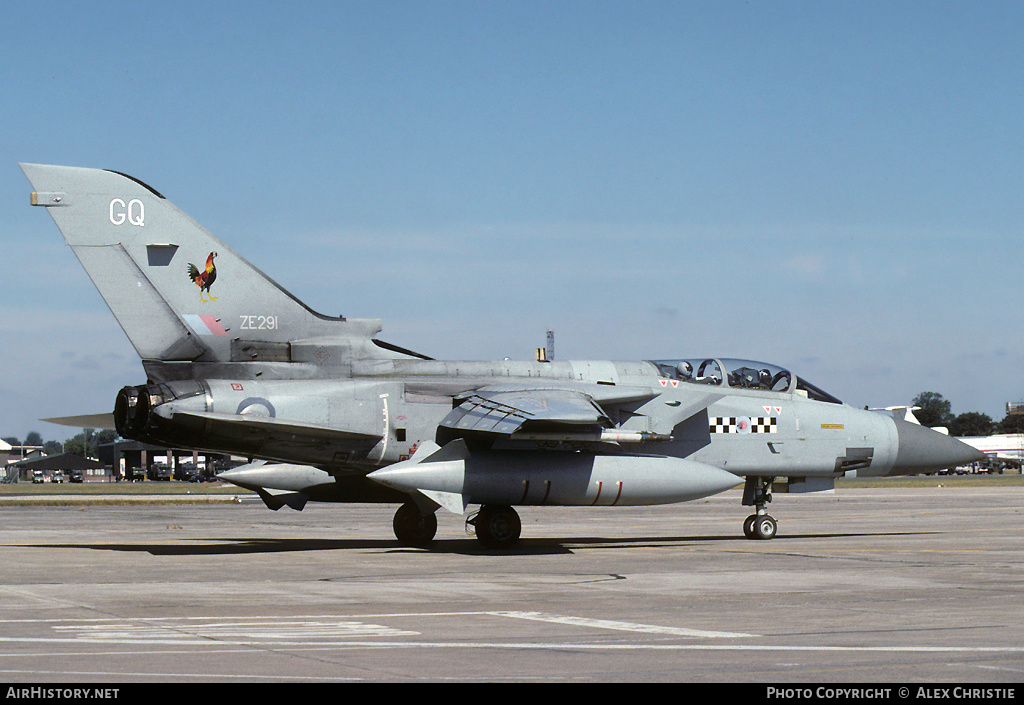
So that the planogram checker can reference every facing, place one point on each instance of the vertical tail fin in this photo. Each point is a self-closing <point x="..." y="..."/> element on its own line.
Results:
<point x="179" y="293"/>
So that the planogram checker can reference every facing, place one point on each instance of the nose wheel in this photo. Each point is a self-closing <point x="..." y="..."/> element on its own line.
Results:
<point x="757" y="493"/>
<point x="760" y="526"/>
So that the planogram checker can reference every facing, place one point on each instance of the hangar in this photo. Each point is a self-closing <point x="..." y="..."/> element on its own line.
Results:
<point x="134" y="460"/>
<point x="62" y="466"/>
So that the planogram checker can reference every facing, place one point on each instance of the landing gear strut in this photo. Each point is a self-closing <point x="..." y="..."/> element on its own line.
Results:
<point x="757" y="492"/>
<point x="414" y="528"/>
<point x="496" y="525"/>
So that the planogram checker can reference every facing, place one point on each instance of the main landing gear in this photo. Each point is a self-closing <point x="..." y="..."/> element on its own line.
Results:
<point x="757" y="492"/>
<point x="496" y="525"/>
<point x="414" y="528"/>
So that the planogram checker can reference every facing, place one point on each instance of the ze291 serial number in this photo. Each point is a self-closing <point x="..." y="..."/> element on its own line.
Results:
<point x="259" y="322"/>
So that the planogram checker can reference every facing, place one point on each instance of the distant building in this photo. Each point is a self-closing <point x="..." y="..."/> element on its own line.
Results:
<point x="134" y="460"/>
<point x="128" y="460"/>
<point x="11" y="454"/>
<point x="65" y="463"/>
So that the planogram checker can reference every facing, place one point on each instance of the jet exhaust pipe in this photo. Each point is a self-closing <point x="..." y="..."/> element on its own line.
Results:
<point x="135" y="414"/>
<point x="131" y="411"/>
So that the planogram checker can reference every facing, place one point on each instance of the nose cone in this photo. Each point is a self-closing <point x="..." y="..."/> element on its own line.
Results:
<point x="411" y="475"/>
<point x="923" y="450"/>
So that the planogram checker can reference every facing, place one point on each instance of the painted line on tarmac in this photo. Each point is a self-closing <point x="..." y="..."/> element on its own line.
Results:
<point x="620" y="626"/>
<point x="226" y="629"/>
<point x="322" y="632"/>
<point x="563" y="645"/>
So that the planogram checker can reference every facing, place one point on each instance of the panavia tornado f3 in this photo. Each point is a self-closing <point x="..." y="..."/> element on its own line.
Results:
<point x="235" y="364"/>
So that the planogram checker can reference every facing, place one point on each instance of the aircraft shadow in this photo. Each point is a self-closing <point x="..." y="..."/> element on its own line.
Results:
<point x="467" y="546"/>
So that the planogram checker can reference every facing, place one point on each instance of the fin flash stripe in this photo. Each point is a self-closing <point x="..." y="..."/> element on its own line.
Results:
<point x="204" y="324"/>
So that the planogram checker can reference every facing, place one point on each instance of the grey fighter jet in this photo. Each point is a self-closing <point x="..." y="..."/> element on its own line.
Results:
<point x="235" y="364"/>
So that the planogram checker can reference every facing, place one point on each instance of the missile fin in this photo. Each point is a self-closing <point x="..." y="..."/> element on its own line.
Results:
<point x="455" y="450"/>
<point x="452" y="501"/>
<point x="275" y="499"/>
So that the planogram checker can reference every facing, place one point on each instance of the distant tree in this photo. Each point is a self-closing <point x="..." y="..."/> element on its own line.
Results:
<point x="972" y="423"/>
<point x="76" y="445"/>
<point x="33" y="439"/>
<point x="88" y="442"/>
<point x="934" y="410"/>
<point x="104" y="436"/>
<point x="53" y="447"/>
<point x="1012" y="423"/>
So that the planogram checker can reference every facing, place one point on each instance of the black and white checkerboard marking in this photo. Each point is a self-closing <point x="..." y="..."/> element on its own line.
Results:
<point x="744" y="424"/>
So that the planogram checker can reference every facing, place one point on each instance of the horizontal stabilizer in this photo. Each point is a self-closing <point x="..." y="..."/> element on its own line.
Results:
<point x="84" y="421"/>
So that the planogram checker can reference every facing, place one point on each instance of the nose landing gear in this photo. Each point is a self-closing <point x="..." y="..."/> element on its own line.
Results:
<point x="757" y="492"/>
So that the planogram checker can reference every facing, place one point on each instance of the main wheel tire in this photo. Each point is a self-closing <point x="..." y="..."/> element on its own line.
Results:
<point x="414" y="528"/>
<point x="497" y="526"/>
<point x="748" y="526"/>
<point x="765" y="527"/>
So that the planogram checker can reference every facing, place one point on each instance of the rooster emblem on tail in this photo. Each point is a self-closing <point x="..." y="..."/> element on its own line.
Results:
<point x="204" y="279"/>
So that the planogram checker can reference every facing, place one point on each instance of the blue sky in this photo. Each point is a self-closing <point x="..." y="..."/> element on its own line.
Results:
<point x="831" y="186"/>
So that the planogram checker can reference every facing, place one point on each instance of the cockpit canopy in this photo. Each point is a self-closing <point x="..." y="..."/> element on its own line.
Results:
<point x="741" y="374"/>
